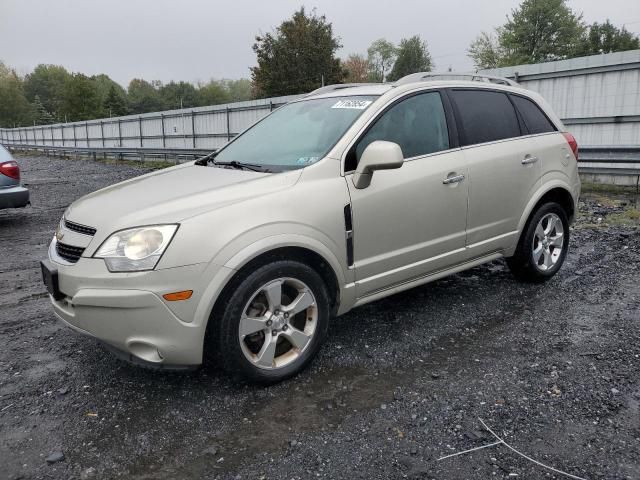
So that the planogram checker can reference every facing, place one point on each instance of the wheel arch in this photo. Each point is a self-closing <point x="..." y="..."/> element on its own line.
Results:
<point x="305" y="255"/>
<point x="266" y="251"/>
<point x="561" y="196"/>
<point x="556" y="192"/>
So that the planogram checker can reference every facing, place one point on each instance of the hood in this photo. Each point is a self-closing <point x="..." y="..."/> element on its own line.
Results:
<point x="172" y="195"/>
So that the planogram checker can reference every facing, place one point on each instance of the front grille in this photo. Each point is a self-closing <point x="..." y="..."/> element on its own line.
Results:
<point x="69" y="252"/>
<point x="76" y="227"/>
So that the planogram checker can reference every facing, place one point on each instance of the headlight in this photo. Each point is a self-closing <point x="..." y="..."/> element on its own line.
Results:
<point x="136" y="249"/>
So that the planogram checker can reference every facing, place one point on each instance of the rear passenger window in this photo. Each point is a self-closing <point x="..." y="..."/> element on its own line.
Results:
<point x="417" y="124"/>
<point x="485" y="116"/>
<point x="534" y="118"/>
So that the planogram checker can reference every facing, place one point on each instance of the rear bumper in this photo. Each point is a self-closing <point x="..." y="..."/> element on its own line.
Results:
<point x="14" y="197"/>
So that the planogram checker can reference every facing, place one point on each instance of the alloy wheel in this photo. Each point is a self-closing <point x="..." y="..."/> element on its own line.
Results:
<point x="548" y="241"/>
<point x="278" y="323"/>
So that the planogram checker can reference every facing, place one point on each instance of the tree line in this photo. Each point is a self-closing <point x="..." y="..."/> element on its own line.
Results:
<point x="299" y="56"/>
<point x="51" y="94"/>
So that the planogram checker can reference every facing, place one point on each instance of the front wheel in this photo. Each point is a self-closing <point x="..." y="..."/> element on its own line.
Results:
<point x="543" y="245"/>
<point x="274" y="322"/>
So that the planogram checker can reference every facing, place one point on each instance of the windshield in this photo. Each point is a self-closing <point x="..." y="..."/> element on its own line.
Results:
<point x="297" y="134"/>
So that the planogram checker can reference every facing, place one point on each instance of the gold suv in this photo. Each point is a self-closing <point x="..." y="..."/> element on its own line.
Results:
<point x="345" y="196"/>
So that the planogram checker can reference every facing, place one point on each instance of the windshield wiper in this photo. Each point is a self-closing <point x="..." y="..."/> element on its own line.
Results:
<point x="204" y="161"/>
<point x="210" y="160"/>
<point x="241" y="165"/>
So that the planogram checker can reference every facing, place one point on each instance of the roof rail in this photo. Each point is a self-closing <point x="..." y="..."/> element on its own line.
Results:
<point x="475" y="77"/>
<point x="337" y="86"/>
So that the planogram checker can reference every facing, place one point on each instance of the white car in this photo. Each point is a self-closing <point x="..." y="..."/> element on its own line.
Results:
<point x="244" y="255"/>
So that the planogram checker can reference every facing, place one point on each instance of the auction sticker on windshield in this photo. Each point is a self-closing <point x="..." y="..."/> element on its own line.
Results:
<point x="355" y="104"/>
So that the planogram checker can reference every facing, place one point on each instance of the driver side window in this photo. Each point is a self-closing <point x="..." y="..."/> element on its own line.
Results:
<point x="418" y="124"/>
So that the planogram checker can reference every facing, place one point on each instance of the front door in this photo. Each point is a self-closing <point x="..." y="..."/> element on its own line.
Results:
<point x="410" y="221"/>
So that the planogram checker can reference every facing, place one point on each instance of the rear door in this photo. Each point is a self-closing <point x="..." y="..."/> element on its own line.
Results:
<point x="504" y="170"/>
<point x="409" y="221"/>
<point x="549" y="144"/>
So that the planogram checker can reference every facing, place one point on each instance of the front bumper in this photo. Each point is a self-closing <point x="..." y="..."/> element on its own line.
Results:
<point x="14" y="197"/>
<point x="127" y="312"/>
<point x="126" y="355"/>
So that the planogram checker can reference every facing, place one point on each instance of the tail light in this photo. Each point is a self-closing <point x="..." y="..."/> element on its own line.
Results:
<point x="571" y="140"/>
<point x="10" y="169"/>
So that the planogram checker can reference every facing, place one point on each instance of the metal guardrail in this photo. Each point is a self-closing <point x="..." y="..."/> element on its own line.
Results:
<point x="610" y="159"/>
<point x="141" y="153"/>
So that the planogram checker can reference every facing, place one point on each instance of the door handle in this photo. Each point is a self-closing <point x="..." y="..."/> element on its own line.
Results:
<point x="453" y="179"/>
<point x="529" y="160"/>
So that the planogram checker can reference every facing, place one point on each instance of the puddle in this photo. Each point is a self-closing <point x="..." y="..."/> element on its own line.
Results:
<point x="268" y="424"/>
<point x="270" y="419"/>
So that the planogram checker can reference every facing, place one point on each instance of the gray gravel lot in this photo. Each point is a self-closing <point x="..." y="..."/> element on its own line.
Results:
<point x="555" y="369"/>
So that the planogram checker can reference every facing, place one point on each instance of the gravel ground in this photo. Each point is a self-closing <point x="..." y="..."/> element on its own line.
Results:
<point x="553" y="369"/>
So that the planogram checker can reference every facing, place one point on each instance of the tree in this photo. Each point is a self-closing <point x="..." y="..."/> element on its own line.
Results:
<point x="540" y="31"/>
<point x="114" y="103"/>
<point x="143" y="96"/>
<point x="297" y="57"/>
<point x="213" y="92"/>
<point x="413" y="57"/>
<point x="381" y="56"/>
<point x="486" y="51"/>
<point x="48" y="83"/>
<point x="40" y="114"/>
<point x="607" y="38"/>
<point x="104" y="85"/>
<point x="239" y="90"/>
<point x="357" y="69"/>
<point x="179" y="95"/>
<point x="80" y="99"/>
<point x="223" y="91"/>
<point x="14" y="106"/>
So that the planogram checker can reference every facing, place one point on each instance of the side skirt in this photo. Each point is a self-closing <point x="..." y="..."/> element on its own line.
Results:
<point x="427" y="278"/>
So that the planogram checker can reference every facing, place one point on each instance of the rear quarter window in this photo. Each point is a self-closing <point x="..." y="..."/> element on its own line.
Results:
<point x="534" y="118"/>
<point x="484" y="116"/>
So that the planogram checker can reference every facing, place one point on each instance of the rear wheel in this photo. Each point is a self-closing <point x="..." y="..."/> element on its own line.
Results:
<point x="543" y="245"/>
<point x="274" y="322"/>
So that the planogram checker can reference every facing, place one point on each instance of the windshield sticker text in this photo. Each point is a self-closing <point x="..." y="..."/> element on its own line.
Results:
<point x="354" y="104"/>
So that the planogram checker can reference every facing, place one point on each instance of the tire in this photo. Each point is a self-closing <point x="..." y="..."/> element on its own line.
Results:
<point x="252" y="305"/>
<point x="542" y="248"/>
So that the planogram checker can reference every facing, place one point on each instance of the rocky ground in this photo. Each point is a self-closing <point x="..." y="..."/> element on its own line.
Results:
<point x="552" y="369"/>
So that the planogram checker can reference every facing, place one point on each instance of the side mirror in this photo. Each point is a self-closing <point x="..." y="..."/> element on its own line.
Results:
<point x="378" y="155"/>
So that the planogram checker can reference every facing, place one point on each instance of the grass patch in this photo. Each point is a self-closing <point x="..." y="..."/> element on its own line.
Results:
<point x="589" y="187"/>
<point x="150" y="164"/>
<point x="602" y="199"/>
<point x="630" y="216"/>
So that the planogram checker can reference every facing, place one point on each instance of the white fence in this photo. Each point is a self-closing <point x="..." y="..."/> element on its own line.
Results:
<point x="191" y="128"/>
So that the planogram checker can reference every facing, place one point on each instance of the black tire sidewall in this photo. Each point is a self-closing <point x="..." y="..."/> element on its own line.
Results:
<point x="226" y="327"/>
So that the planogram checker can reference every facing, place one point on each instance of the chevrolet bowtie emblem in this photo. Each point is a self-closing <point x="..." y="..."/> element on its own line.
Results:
<point x="59" y="235"/>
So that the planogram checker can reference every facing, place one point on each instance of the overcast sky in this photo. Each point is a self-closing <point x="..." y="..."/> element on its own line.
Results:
<point x="201" y="39"/>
